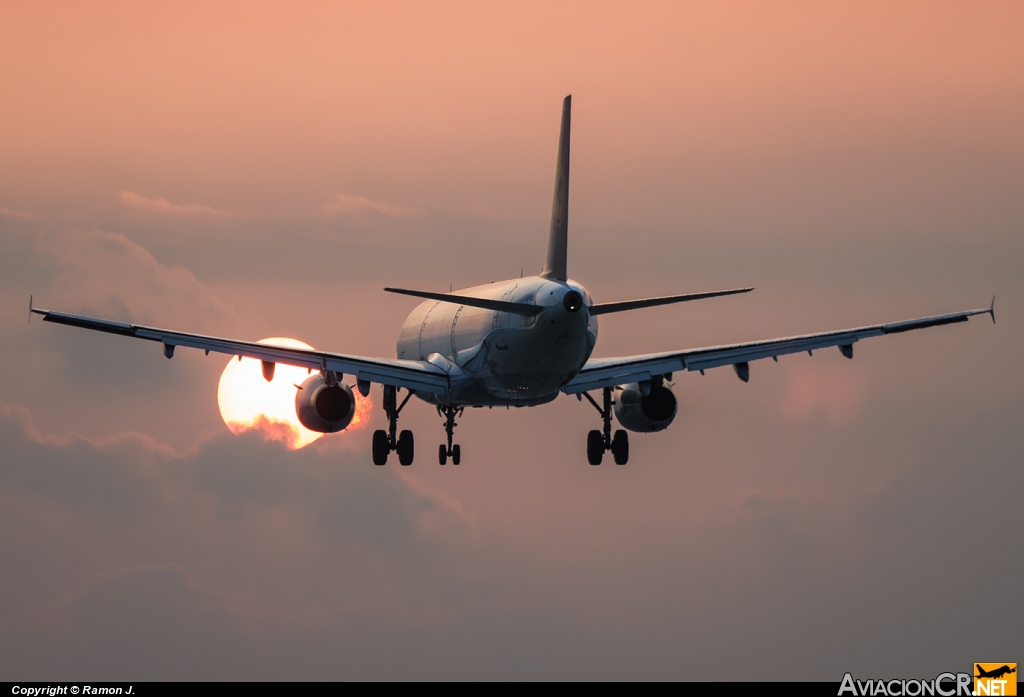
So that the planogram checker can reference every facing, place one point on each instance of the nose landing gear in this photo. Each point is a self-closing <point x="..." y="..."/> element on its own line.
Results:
<point x="600" y="441"/>
<point x="384" y="442"/>
<point x="453" y="451"/>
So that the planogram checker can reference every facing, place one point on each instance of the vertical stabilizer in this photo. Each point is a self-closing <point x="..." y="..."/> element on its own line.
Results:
<point x="558" y="244"/>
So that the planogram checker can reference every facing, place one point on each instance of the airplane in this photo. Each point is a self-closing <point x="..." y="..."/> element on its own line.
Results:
<point x="995" y="673"/>
<point x="515" y="343"/>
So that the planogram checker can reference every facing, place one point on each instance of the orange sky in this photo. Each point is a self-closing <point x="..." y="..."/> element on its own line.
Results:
<point x="261" y="170"/>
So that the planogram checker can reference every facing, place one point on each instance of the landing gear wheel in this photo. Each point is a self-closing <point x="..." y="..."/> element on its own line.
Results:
<point x="599" y="441"/>
<point x="595" y="447"/>
<point x="620" y="447"/>
<point x="381" y="448"/>
<point x="447" y="450"/>
<point x="385" y="441"/>
<point x="405" y="448"/>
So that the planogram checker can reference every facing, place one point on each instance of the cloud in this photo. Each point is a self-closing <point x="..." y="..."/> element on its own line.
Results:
<point x="162" y="557"/>
<point x="161" y="206"/>
<point x="103" y="274"/>
<point x="144" y="620"/>
<point x="836" y="393"/>
<point x="106" y="379"/>
<point x="239" y="558"/>
<point x="20" y="215"/>
<point x="348" y="204"/>
<point x="108" y="273"/>
<point x="304" y="500"/>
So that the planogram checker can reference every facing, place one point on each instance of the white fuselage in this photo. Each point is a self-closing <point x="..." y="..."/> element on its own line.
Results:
<point x="498" y="358"/>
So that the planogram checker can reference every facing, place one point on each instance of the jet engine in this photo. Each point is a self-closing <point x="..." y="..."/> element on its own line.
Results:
<point x="645" y="413"/>
<point x="324" y="406"/>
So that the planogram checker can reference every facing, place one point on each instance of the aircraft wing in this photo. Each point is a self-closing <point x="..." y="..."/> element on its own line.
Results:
<point x="608" y="372"/>
<point x="420" y="376"/>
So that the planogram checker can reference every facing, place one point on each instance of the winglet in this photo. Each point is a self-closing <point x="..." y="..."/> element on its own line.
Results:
<point x="33" y="310"/>
<point x="992" y="309"/>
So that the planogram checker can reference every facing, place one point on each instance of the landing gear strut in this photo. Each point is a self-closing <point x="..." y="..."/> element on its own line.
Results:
<point x="453" y="451"/>
<point x="600" y="441"/>
<point x="384" y="442"/>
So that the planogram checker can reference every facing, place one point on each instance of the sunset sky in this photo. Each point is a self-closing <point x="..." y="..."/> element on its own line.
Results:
<point x="261" y="170"/>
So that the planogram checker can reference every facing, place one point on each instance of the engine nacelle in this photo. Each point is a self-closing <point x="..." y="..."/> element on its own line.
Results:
<point x="324" y="408"/>
<point x="645" y="414"/>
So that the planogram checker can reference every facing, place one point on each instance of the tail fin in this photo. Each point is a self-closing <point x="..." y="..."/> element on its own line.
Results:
<point x="558" y="244"/>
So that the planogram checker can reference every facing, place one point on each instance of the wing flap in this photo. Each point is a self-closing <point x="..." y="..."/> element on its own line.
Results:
<point x="715" y="358"/>
<point x="620" y="371"/>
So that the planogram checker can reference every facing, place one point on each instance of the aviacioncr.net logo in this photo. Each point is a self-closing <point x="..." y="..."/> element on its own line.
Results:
<point x="945" y="685"/>
<point x="995" y="679"/>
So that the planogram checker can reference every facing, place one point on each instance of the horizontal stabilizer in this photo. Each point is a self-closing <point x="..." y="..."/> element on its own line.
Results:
<point x="605" y="308"/>
<point x="524" y="309"/>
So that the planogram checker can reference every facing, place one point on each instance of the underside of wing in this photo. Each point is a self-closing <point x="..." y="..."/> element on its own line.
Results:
<point x="420" y="376"/>
<point x="608" y="372"/>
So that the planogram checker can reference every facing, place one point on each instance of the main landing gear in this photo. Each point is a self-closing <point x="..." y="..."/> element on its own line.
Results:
<point x="385" y="441"/>
<point x="453" y="451"/>
<point x="599" y="441"/>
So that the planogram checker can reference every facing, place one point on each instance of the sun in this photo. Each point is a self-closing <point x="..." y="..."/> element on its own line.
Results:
<point x="247" y="401"/>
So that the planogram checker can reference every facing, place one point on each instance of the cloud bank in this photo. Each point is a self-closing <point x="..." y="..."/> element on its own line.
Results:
<point x="349" y="204"/>
<point x="158" y="205"/>
<point x="240" y="559"/>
